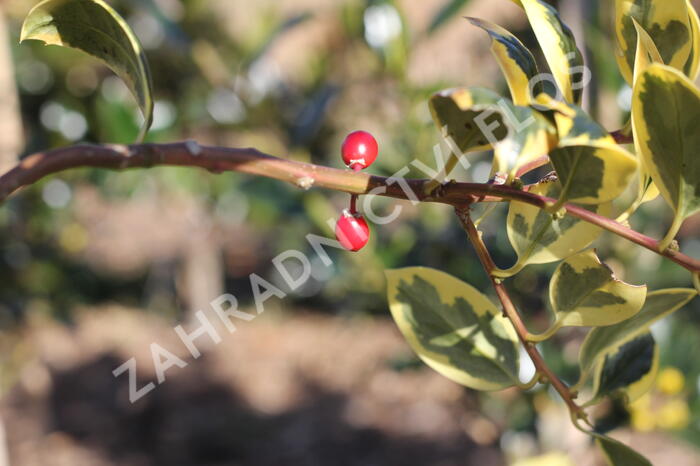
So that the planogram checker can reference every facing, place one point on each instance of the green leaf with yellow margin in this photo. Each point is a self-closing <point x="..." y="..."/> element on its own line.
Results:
<point x="601" y="341"/>
<point x="591" y="166"/>
<point x="593" y="173"/>
<point x="478" y="119"/>
<point x="95" y="28"/>
<point x="546" y="103"/>
<point x="667" y="22"/>
<point x="617" y="453"/>
<point x="647" y="53"/>
<point x="692" y="66"/>
<point x="584" y="292"/>
<point x="629" y="370"/>
<point x="559" y="47"/>
<point x="454" y="328"/>
<point x="516" y="61"/>
<point x="577" y="128"/>
<point x="640" y="387"/>
<point x="665" y="112"/>
<point x="538" y="238"/>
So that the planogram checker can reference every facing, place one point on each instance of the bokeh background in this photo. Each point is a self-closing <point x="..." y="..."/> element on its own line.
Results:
<point x="97" y="265"/>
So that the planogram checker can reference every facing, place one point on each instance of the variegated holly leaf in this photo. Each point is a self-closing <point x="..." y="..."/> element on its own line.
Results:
<point x="584" y="292"/>
<point x="628" y="370"/>
<point x="454" y="328"/>
<point x="576" y="128"/>
<point x="665" y="112"/>
<point x="594" y="173"/>
<point x="539" y="238"/>
<point x="647" y="53"/>
<point x="666" y="21"/>
<point x="601" y="341"/>
<point x="559" y="47"/>
<point x="477" y="118"/>
<point x="591" y="166"/>
<point x="516" y="62"/>
<point x="617" y="453"/>
<point x="692" y="66"/>
<point x="97" y="29"/>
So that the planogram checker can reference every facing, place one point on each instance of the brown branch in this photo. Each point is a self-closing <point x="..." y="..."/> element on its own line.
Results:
<point x="303" y="175"/>
<point x="622" y="138"/>
<point x="512" y="314"/>
<point x="216" y="160"/>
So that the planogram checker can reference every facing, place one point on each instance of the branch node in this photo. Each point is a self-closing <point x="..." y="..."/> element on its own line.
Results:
<point x="559" y="214"/>
<point x="118" y="148"/>
<point x="193" y="148"/>
<point x="306" y="182"/>
<point x="125" y="151"/>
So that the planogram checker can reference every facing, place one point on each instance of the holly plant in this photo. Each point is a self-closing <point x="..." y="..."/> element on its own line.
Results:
<point x="455" y="328"/>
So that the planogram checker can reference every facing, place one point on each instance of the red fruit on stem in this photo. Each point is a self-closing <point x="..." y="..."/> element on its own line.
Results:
<point x="352" y="231"/>
<point x="359" y="150"/>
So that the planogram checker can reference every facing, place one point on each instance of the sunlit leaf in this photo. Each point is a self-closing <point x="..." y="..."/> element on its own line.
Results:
<point x="665" y="112"/>
<point x="592" y="174"/>
<point x="548" y="104"/>
<point x="454" y="328"/>
<point x="666" y="21"/>
<point x="617" y="453"/>
<point x="538" y="238"/>
<point x="455" y="112"/>
<point x="647" y="53"/>
<point x="584" y="292"/>
<point x="602" y="340"/>
<point x="630" y="369"/>
<point x="559" y="47"/>
<point x="576" y="128"/>
<point x="591" y="166"/>
<point x="692" y="66"/>
<point x="477" y="118"/>
<point x="516" y="62"/>
<point x="639" y="388"/>
<point x="97" y="29"/>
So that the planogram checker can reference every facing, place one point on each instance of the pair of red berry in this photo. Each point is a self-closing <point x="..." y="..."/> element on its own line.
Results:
<point x="359" y="151"/>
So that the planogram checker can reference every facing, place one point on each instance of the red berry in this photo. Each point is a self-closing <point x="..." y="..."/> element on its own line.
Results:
<point x="359" y="150"/>
<point x="352" y="231"/>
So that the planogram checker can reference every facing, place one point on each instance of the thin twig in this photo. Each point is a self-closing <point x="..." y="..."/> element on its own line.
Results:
<point x="303" y="175"/>
<point x="512" y="314"/>
<point x="622" y="138"/>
